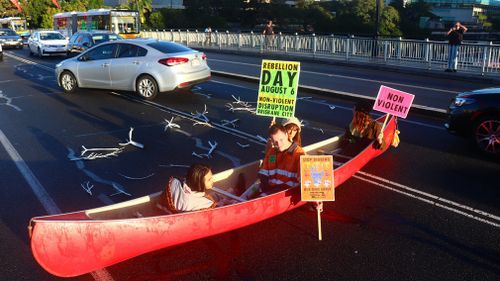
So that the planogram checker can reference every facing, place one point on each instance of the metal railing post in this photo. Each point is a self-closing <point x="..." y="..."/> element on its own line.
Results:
<point x="386" y="49"/>
<point x="486" y="58"/>
<point x="297" y="42"/>
<point x="314" y="42"/>
<point x="333" y="44"/>
<point x="399" y="48"/>
<point x="285" y="39"/>
<point x="187" y="37"/>
<point x="239" y="41"/>
<point x="347" y="48"/>
<point x="180" y="36"/>
<point x="279" y="41"/>
<point x="252" y="44"/>
<point x="172" y="35"/>
<point x="227" y="39"/>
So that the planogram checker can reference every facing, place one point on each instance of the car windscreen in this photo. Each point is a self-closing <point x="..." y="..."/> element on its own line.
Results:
<point x="7" y="32"/>
<point x="168" y="47"/>
<point x="51" y="36"/>
<point x="99" y="38"/>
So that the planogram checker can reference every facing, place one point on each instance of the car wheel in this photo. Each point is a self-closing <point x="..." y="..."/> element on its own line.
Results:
<point x="68" y="82"/>
<point x="146" y="87"/>
<point x="39" y="52"/>
<point x="31" y="52"/>
<point x="487" y="134"/>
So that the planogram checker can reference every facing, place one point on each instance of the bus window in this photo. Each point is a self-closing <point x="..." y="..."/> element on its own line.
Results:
<point x="100" y="22"/>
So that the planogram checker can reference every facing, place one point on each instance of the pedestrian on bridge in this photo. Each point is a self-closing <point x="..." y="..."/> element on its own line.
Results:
<point x="455" y="38"/>
<point x="268" y="34"/>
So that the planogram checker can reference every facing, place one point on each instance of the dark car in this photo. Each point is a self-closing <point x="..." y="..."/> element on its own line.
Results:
<point x="476" y="114"/>
<point x="84" y="40"/>
<point x="9" y="38"/>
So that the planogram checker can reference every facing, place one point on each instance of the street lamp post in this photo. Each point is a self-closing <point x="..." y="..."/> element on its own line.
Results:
<point x="376" y="31"/>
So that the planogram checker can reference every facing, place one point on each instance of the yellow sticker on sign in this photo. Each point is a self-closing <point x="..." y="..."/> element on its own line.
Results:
<point x="279" y="82"/>
<point x="316" y="178"/>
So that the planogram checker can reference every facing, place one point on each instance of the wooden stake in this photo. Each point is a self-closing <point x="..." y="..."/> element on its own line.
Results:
<point x="385" y="122"/>
<point x="320" y="234"/>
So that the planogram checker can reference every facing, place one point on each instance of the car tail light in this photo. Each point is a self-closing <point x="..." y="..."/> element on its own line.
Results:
<point x="173" y="61"/>
<point x="203" y="56"/>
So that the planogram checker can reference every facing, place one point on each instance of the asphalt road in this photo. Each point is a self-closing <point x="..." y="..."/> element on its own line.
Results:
<point x="427" y="210"/>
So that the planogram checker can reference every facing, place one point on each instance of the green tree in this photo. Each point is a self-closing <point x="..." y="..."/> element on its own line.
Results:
<point x="389" y="22"/>
<point x="7" y="9"/>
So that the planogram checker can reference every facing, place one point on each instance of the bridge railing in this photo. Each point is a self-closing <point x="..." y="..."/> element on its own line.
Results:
<point x="425" y="54"/>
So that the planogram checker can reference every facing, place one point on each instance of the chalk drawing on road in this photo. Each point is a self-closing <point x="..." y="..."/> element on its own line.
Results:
<point x="87" y="186"/>
<point x="208" y="155"/>
<point x="136" y="178"/>
<point x="239" y="105"/>
<point x="262" y="139"/>
<point x="8" y="101"/>
<point x="130" y="141"/>
<point x="199" y="144"/>
<point x="203" y="116"/>
<point x="170" y="124"/>
<point x="173" y="166"/>
<point x="233" y="122"/>
<point x="246" y="145"/>
<point x="97" y="153"/>
<point x="81" y="166"/>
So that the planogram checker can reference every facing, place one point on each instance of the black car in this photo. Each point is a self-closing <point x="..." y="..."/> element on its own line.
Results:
<point x="9" y="38"/>
<point x="84" y="40"/>
<point x="476" y="114"/>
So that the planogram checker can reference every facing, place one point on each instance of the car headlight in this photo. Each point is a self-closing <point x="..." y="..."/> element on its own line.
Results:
<point x="20" y="39"/>
<point x="59" y="65"/>
<point x="462" y="101"/>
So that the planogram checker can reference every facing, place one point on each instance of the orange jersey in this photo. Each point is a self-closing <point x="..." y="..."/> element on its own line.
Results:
<point x="281" y="169"/>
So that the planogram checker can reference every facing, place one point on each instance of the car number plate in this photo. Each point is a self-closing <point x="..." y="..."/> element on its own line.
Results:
<point x="195" y="62"/>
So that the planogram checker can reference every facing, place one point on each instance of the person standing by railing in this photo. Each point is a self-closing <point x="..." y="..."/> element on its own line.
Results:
<point x="269" y="34"/>
<point x="208" y="36"/>
<point x="455" y="38"/>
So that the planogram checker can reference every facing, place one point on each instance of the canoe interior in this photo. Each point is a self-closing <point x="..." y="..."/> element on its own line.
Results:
<point x="233" y="181"/>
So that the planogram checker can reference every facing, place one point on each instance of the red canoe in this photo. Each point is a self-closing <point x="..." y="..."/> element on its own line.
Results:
<point x="77" y="243"/>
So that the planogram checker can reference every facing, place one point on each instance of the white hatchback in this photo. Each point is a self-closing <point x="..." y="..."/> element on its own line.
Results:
<point x="47" y="43"/>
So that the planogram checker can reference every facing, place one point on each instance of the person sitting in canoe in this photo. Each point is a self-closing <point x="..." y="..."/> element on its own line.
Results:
<point x="363" y="128"/>
<point x="293" y="128"/>
<point x="281" y="166"/>
<point x="190" y="194"/>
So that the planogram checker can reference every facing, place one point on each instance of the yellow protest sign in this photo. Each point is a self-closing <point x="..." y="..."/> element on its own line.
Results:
<point x="279" y="82"/>
<point x="316" y="178"/>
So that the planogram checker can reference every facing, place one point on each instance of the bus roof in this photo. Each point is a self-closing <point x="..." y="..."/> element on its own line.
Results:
<point x="65" y="14"/>
<point x="10" y="19"/>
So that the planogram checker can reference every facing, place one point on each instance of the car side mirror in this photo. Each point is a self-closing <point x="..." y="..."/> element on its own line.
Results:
<point x="83" y="58"/>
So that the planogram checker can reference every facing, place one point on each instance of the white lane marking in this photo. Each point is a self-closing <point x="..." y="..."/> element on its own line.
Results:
<point x="351" y="77"/>
<point x="41" y="193"/>
<point x="429" y="201"/>
<point x="36" y="64"/>
<point x="437" y="198"/>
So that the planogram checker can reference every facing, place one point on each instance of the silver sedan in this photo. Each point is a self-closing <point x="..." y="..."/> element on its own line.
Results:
<point x="147" y="67"/>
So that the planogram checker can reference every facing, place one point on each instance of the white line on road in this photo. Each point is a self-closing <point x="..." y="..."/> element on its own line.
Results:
<point x="437" y="198"/>
<point x="349" y="77"/>
<point x="41" y="193"/>
<point x="435" y="202"/>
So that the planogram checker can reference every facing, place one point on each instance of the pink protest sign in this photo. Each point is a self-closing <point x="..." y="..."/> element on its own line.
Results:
<point x="393" y="101"/>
